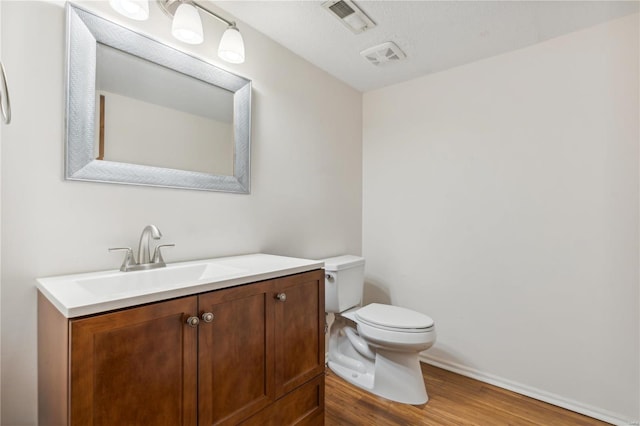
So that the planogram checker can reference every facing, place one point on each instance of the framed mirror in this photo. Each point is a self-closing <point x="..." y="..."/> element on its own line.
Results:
<point x="140" y="112"/>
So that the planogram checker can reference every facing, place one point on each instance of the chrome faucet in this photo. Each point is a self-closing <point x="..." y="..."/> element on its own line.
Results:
<point x="145" y="259"/>
<point x="143" y="245"/>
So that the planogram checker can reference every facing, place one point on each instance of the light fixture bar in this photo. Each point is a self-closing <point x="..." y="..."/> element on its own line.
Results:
<point x="215" y="15"/>
<point x="169" y="7"/>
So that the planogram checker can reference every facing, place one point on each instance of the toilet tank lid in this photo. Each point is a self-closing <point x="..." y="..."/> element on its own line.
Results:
<point x="342" y="262"/>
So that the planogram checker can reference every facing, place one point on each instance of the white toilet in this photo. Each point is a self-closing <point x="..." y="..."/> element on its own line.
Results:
<point x="380" y="355"/>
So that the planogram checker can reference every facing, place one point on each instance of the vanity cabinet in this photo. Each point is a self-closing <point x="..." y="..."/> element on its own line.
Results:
<point x="255" y="357"/>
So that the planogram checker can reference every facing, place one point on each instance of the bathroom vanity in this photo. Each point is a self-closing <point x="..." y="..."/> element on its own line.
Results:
<point x="228" y="341"/>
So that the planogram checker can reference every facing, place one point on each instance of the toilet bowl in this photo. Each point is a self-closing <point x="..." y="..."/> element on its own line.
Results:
<point x="374" y="347"/>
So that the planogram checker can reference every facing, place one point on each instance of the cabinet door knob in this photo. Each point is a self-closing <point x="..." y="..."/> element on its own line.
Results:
<point x="207" y="317"/>
<point x="193" y="321"/>
<point x="281" y="297"/>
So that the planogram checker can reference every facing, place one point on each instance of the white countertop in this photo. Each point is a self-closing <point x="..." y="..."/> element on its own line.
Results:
<point x="90" y="293"/>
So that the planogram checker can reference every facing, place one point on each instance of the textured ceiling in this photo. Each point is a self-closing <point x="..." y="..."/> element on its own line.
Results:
<point x="435" y="35"/>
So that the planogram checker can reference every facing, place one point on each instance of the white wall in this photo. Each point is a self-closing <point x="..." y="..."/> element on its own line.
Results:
<point x="501" y="198"/>
<point x="306" y="181"/>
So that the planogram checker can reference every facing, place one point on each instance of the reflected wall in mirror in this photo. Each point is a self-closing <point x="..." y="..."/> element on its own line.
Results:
<point x="140" y="112"/>
<point x="168" y="119"/>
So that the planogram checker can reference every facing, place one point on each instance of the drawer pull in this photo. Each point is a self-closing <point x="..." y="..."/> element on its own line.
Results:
<point x="207" y="317"/>
<point x="281" y="297"/>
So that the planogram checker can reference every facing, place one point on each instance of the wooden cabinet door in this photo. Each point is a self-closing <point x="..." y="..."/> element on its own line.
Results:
<point x="135" y="367"/>
<point x="299" y="330"/>
<point x="235" y="354"/>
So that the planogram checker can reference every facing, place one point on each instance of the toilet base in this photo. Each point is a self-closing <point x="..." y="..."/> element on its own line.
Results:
<point x="392" y="375"/>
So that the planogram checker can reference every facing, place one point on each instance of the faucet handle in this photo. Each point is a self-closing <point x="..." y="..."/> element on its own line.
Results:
<point x="128" y="258"/>
<point x="157" y="255"/>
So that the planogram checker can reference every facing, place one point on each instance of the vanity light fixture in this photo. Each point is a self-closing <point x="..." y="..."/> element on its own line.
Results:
<point x="231" y="47"/>
<point x="186" y="24"/>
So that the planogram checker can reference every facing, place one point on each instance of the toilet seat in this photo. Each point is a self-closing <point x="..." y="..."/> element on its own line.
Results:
<point x="393" y="318"/>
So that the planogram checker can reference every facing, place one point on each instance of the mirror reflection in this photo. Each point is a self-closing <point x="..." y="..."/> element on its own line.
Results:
<point x="151" y="115"/>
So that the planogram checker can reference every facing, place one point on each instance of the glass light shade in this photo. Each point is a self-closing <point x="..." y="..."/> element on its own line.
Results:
<point x="187" y="25"/>
<point x="231" y="48"/>
<point x="134" y="9"/>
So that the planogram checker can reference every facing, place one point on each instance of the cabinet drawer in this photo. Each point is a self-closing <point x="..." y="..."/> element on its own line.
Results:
<point x="303" y="406"/>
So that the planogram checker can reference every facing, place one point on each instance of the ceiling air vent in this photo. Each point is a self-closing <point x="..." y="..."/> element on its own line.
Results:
<point x="350" y="15"/>
<point x="383" y="54"/>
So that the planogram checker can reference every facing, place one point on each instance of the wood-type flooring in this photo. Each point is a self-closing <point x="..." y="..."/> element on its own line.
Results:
<point x="454" y="400"/>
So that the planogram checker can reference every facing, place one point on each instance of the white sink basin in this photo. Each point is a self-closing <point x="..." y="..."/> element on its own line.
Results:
<point x="156" y="279"/>
<point x="85" y="294"/>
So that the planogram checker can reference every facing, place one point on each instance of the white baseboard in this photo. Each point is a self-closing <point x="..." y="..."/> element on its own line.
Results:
<point x="569" y="404"/>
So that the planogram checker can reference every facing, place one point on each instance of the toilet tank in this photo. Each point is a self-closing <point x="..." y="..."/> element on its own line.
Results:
<point x="343" y="283"/>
